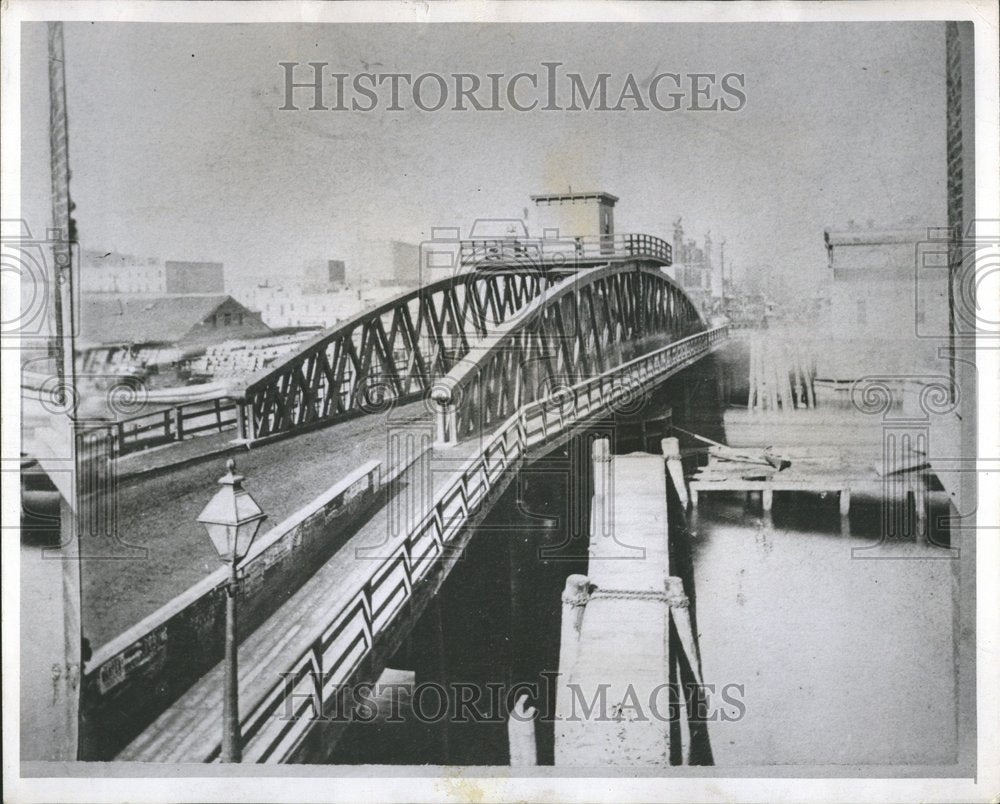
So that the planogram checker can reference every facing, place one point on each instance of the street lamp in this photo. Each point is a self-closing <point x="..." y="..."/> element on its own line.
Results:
<point x="232" y="518"/>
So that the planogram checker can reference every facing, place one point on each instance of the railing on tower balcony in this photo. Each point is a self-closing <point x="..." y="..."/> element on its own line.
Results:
<point x="563" y="251"/>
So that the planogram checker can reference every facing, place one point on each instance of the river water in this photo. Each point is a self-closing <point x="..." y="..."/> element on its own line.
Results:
<point x="844" y="647"/>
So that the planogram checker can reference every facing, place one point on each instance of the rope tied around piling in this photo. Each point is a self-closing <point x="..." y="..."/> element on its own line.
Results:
<point x="672" y="594"/>
<point x="630" y="594"/>
<point x="575" y="601"/>
<point x="577" y="591"/>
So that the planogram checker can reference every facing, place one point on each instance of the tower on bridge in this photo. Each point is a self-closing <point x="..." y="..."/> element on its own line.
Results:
<point x="576" y="214"/>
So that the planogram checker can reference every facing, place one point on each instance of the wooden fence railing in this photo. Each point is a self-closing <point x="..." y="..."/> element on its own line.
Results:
<point x="175" y="424"/>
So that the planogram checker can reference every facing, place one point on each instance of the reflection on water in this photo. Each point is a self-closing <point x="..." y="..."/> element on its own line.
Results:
<point x="847" y="657"/>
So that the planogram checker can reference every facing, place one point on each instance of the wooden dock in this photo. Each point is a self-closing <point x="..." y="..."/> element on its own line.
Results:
<point x="813" y="469"/>
<point x="625" y="628"/>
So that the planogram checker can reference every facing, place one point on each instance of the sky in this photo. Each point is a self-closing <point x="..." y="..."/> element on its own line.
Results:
<point x="178" y="148"/>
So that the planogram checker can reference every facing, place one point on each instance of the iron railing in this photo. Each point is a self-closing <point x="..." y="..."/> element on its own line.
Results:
<point x="564" y="252"/>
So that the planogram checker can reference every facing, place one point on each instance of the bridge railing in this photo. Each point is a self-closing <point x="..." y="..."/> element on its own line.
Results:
<point x="563" y="250"/>
<point x="176" y="423"/>
<point x="547" y="418"/>
<point x="276" y="722"/>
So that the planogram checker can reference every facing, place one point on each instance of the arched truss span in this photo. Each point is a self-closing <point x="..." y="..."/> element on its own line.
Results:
<point x="391" y="353"/>
<point x="587" y="325"/>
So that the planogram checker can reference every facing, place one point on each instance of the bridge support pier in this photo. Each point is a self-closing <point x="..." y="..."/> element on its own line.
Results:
<point x="521" y="735"/>
<point x="574" y="599"/>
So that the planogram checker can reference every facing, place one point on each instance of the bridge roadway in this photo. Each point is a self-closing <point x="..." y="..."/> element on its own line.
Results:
<point x="189" y="730"/>
<point x="304" y="637"/>
<point x="588" y="345"/>
<point x="164" y="550"/>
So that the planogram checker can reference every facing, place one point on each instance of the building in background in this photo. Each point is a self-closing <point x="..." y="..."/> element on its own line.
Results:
<point x="194" y="277"/>
<point x="876" y="312"/>
<point x="695" y="271"/>
<point x="154" y="335"/>
<point x="336" y="272"/>
<point x="186" y="320"/>
<point x="385" y="263"/>
<point x="324" y="276"/>
<point x="328" y="292"/>
<point x="112" y="272"/>
<point x="290" y="306"/>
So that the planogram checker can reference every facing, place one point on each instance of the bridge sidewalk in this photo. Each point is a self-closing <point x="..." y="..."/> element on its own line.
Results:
<point x="190" y="729"/>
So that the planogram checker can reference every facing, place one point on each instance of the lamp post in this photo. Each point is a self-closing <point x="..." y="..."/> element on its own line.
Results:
<point x="232" y="518"/>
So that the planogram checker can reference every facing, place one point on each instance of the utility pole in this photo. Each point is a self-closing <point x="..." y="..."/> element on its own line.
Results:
<point x="51" y="671"/>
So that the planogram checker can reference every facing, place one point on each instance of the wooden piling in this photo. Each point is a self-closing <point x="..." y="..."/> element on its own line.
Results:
<point x="521" y="734"/>
<point x="672" y="455"/>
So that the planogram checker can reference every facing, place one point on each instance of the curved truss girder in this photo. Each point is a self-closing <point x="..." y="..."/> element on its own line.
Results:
<point x="391" y="353"/>
<point x="588" y="324"/>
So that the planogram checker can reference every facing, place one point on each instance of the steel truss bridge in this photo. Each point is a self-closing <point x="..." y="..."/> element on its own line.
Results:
<point x="511" y="361"/>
